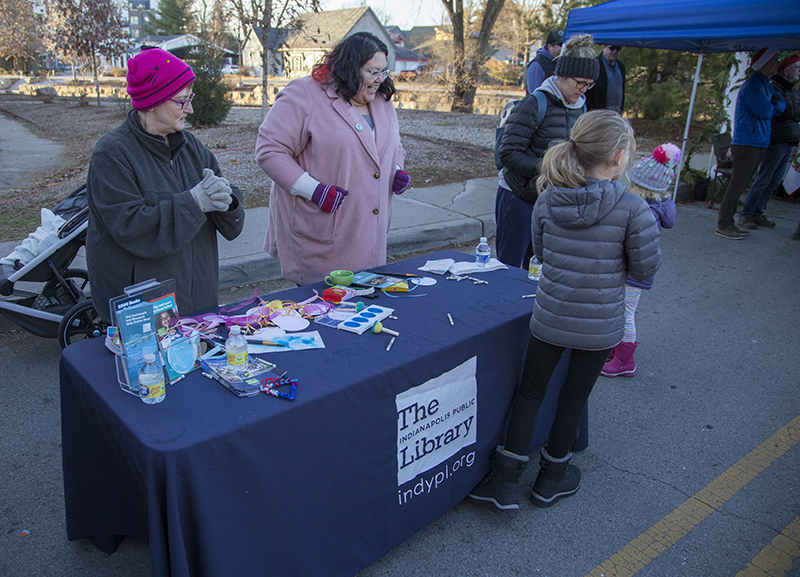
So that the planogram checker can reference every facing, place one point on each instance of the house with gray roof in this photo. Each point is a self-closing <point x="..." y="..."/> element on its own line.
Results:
<point x="310" y="37"/>
<point x="320" y="32"/>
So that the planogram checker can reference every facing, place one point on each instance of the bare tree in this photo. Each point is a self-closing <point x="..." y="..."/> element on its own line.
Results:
<point x="466" y="73"/>
<point x="86" y="28"/>
<point x="268" y="15"/>
<point x="18" y="39"/>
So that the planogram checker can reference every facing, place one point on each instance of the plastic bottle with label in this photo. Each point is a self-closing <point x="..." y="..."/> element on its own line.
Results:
<point x="534" y="269"/>
<point x="236" y="349"/>
<point x="152" y="388"/>
<point x="483" y="253"/>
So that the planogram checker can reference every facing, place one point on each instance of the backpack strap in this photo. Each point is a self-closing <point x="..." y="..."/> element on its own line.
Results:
<point x="541" y="101"/>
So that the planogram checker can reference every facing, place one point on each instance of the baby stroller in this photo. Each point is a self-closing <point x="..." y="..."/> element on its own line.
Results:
<point x="56" y="300"/>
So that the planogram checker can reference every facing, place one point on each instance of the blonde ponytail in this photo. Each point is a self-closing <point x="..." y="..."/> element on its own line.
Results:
<point x="596" y="136"/>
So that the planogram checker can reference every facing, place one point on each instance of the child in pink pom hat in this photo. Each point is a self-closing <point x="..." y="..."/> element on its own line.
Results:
<point x="651" y="178"/>
<point x="154" y="76"/>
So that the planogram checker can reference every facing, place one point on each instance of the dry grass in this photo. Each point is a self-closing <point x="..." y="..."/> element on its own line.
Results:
<point x="441" y="148"/>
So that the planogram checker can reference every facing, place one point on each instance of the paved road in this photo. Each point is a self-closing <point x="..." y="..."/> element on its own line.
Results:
<point x="22" y="153"/>
<point x="692" y="465"/>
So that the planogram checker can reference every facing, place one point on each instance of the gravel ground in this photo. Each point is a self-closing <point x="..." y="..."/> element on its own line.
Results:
<point x="441" y="147"/>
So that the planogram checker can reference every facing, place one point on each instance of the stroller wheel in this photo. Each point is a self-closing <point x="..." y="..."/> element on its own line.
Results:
<point x="80" y="322"/>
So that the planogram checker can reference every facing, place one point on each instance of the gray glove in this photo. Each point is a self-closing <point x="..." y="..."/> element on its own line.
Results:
<point x="212" y="193"/>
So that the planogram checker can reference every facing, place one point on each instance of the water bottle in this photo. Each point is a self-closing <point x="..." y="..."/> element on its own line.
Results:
<point x="483" y="253"/>
<point x="236" y="349"/>
<point x="151" y="381"/>
<point x="534" y="269"/>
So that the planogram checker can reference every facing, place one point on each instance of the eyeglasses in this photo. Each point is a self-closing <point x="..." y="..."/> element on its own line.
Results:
<point x="184" y="102"/>
<point x="615" y="48"/>
<point x="581" y="84"/>
<point x="377" y="74"/>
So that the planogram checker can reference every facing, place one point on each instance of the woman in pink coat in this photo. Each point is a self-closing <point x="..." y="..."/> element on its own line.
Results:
<point x="331" y="145"/>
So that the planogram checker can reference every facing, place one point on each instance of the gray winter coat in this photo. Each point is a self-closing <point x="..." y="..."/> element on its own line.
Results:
<point x="144" y="222"/>
<point x="589" y="240"/>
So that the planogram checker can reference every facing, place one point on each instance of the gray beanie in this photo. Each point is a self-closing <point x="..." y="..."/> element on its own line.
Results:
<point x="577" y="67"/>
<point x="656" y="173"/>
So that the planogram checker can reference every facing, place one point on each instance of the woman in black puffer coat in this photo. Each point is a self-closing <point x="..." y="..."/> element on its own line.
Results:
<point x="524" y="144"/>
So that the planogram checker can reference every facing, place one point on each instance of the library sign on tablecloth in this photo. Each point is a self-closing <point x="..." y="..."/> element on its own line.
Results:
<point x="435" y="421"/>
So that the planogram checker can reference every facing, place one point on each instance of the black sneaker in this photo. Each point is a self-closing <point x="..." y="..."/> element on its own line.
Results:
<point x="729" y="233"/>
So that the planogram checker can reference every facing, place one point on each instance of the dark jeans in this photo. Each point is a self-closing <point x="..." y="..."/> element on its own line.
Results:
<point x="513" y="237"/>
<point x="540" y="362"/>
<point x="770" y="174"/>
<point x="745" y="162"/>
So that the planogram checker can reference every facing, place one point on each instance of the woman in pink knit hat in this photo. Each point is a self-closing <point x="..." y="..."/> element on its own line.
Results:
<point x="156" y="195"/>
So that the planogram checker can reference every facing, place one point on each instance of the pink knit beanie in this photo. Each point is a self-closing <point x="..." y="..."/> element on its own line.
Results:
<point x="154" y="76"/>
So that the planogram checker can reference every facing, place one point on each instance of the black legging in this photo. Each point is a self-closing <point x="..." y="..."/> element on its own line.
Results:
<point x="540" y="362"/>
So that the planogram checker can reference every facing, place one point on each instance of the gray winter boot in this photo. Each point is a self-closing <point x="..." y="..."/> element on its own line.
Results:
<point x="557" y="479"/>
<point x="501" y="486"/>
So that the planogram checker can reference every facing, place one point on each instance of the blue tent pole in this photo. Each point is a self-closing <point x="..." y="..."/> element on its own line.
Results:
<point x="688" y="122"/>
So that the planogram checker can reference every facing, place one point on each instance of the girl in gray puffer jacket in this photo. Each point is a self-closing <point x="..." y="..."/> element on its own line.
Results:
<point x="590" y="234"/>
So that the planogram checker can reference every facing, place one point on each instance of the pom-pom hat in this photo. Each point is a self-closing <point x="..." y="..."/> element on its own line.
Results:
<point x="656" y="173"/>
<point x="154" y="76"/>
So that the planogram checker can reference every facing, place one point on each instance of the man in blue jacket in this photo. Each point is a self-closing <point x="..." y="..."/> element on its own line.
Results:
<point x="756" y="104"/>
<point x="543" y="65"/>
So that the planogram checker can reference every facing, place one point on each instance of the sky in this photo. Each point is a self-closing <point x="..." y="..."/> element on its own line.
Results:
<point x="403" y="13"/>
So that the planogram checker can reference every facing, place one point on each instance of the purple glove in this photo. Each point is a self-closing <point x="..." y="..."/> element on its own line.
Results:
<point x="328" y="197"/>
<point x="401" y="182"/>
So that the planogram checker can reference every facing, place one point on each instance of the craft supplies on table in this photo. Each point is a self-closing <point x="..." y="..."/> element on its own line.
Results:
<point x="366" y="319"/>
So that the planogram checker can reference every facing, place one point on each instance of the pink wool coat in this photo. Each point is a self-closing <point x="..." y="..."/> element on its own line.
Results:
<point x="311" y="129"/>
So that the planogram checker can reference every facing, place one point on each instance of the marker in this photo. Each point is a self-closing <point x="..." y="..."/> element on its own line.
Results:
<point x="528" y="296"/>
<point x="450" y="319"/>
<point x="391" y="342"/>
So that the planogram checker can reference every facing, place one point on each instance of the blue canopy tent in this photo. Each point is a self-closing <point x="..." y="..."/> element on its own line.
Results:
<point x="699" y="26"/>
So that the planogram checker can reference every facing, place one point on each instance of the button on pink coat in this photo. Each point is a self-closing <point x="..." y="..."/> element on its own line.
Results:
<point x="311" y="129"/>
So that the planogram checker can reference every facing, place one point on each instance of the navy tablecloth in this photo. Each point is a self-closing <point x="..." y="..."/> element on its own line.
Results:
<point x="377" y="445"/>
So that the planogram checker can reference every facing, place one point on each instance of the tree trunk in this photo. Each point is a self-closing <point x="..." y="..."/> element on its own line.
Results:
<point x="466" y="78"/>
<point x="96" y="79"/>
<point x="266" y="23"/>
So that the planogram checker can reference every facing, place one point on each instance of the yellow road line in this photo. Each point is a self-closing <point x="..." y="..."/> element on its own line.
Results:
<point x="665" y="533"/>
<point x="777" y="558"/>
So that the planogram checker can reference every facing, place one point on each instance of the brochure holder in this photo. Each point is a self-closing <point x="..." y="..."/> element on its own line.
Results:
<point x="147" y="319"/>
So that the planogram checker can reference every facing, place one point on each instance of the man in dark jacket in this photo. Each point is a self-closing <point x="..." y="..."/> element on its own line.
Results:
<point x="784" y="136"/>
<point x="543" y="66"/>
<point x="609" y="91"/>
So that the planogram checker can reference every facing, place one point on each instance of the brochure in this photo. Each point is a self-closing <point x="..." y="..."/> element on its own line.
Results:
<point x="242" y="384"/>
<point x="138" y="336"/>
<point x="133" y="315"/>
<point x="376" y="280"/>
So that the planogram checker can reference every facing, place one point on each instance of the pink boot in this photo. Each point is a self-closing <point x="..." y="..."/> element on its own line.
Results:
<point x="623" y="364"/>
